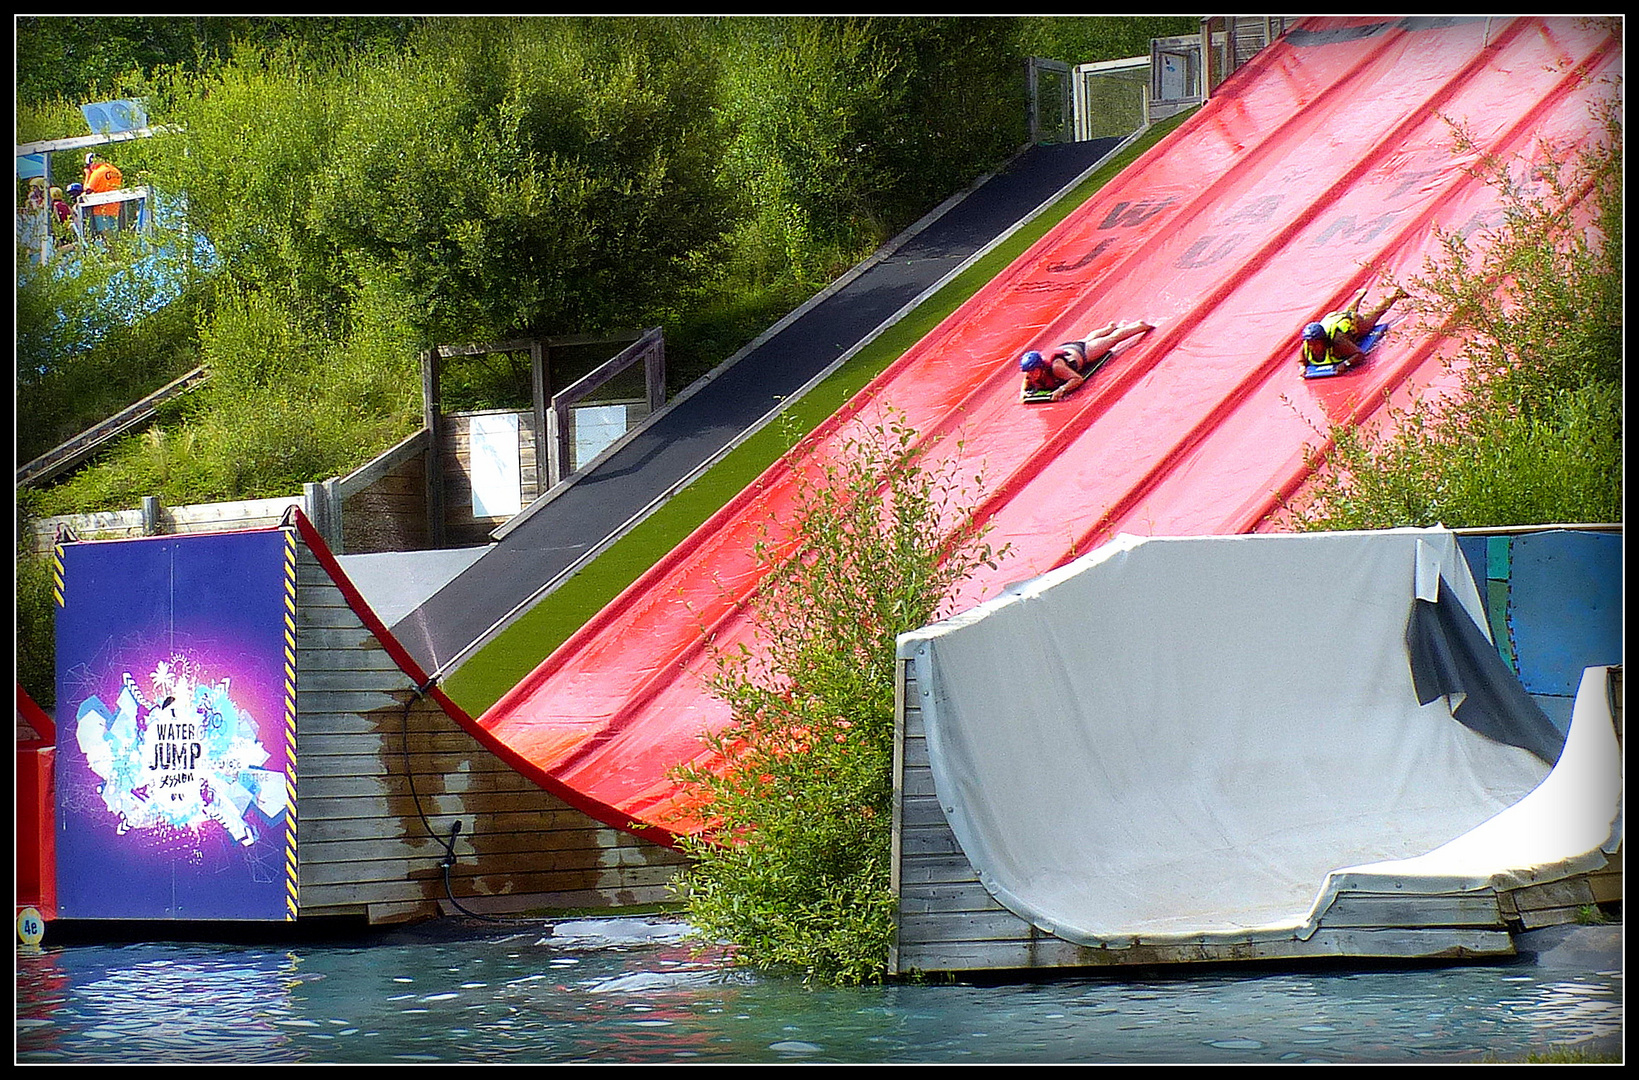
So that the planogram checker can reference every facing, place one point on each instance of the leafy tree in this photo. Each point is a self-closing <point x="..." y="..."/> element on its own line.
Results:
<point x="796" y="870"/>
<point x="531" y="175"/>
<point x="89" y="57"/>
<point x="847" y="130"/>
<point x="1086" y="39"/>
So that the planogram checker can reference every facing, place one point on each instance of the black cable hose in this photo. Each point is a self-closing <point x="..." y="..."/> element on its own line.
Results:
<point x="455" y="829"/>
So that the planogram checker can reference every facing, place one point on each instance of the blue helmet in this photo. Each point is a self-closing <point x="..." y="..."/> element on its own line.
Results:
<point x="1314" y="332"/>
<point x="1032" y="360"/>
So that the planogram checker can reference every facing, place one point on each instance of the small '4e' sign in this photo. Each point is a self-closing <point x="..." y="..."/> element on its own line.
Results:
<point x="31" y="927"/>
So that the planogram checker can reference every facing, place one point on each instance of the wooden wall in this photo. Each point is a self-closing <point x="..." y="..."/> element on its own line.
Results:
<point x="390" y="514"/>
<point x="378" y="767"/>
<point x="947" y="921"/>
<point x="156" y="519"/>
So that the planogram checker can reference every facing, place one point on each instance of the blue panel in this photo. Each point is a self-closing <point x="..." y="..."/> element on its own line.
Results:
<point x="1496" y="611"/>
<point x="174" y="765"/>
<point x="1473" y="549"/>
<point x="1565" y="607"/>
<point x="1496" y="557"/>
<point x="111" y="117"/>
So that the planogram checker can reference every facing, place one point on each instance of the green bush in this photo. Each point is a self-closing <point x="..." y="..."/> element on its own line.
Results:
<point x="848" y="130"/>
<point x="81" y="356"/>
<point x="795" y="868"/>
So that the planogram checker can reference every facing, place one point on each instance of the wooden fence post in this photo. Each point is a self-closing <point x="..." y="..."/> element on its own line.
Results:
<point x="654" y="372"/>
<point x="332" y="514"/>
<point x="432" y="413"/>
<point x="541" y="380"/>
<point x="324" y="511"/>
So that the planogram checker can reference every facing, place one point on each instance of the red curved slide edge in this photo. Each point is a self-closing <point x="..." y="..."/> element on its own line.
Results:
<point x="395" y="649"/>
<point x="1324" y="165"/>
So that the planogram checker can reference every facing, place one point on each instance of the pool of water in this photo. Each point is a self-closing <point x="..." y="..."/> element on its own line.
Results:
<point x="634" y="990"/>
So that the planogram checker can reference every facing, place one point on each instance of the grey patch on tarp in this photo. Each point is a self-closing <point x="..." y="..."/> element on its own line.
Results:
<point x="1451" y="656"/>
<point x="396" y="583"/>
<point x="1572" y="947"/>
<point x="1435" y="22"/>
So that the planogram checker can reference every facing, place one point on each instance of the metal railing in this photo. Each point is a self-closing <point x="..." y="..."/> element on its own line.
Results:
<point x="1114" y="98"/>
<point x="60" y="459"/>
<point x="649" y="350"/>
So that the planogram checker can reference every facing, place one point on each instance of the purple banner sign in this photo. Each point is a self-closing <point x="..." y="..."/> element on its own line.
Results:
<point x="175" y="742"/>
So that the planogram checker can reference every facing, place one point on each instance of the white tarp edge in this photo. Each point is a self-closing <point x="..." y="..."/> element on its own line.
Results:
<point x="1567" y="826"/>
<point x="1182" y="739"/>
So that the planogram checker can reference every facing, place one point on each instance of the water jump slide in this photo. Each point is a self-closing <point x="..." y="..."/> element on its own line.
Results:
<point x="1325" y="165"/>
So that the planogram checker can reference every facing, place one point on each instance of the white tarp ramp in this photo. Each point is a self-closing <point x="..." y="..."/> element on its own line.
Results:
<point x="1206" y="739"/>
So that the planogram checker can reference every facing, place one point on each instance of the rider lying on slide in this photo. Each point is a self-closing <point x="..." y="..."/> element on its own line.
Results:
<point x="1065" y="368"/>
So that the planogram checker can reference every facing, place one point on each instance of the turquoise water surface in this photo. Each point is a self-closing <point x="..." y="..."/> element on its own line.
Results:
<point x="633" y="990"/>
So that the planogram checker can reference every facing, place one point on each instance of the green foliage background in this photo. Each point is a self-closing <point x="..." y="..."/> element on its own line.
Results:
<point x="375" y="186"/>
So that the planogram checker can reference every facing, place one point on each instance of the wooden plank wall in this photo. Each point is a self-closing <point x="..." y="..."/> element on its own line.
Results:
<point x="391" y="513"/>
<point x="461" y="528"/>
<point x="946" y="920"/>
<point x="101" y="525"/>
<point x="382" y="774"/>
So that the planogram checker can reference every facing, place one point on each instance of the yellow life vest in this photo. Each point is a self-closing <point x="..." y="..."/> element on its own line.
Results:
<point x="1335" y="322"/>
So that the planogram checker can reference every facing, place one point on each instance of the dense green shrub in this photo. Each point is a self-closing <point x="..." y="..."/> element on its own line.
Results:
<point x="539" y="176"/>
<point x="91" y="58"/>
<point x="1533" y="432"/>
<point x="1084" y="39"/>
<point x="795" y="870"/>
<point x="848" y="130"/>
<point x="34" y="621"/>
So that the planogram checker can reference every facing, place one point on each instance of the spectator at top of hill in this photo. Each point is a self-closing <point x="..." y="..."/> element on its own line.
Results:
<point x="101" y="176"/>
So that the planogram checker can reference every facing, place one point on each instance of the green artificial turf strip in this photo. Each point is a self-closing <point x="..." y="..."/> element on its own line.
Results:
<point x="516" y="651"/>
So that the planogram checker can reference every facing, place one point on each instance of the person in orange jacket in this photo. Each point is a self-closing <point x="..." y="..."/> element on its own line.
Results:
<point x="101" y="177"/>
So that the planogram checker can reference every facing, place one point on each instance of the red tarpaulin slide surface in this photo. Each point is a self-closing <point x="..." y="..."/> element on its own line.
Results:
<point x="1325" y="164"/>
